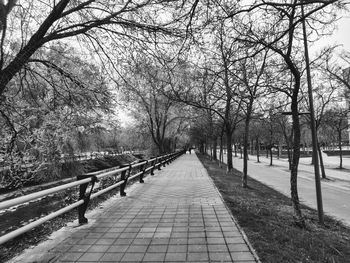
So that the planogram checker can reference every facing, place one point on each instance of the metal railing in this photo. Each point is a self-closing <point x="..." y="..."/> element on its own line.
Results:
<point x="83" y="181"/>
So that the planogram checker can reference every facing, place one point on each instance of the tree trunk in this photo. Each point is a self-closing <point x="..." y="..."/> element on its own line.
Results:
<point x="221" y="155"/>
<point x="340" y="150"/>
<point x="288" y="140"/>
<point x="289" y="158"/>
<point x="215" y="146"/>
<point x="257" y="150"/>
<point x="252" y="146"/>
<point x="271" y="143"/>
<point x="295" y="163"/>
<point x="245" y="149"/>
<point x="271" y="155"/>
<point x="201" y="148"/>
<point x="229" y="150"/>
<point x="323" y="171"/>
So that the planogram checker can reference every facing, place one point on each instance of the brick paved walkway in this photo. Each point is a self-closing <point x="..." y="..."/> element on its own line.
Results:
<point x="175" y="216"/>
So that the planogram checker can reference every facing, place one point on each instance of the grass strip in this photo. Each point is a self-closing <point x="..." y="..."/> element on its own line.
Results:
<point x="266" y="216"/>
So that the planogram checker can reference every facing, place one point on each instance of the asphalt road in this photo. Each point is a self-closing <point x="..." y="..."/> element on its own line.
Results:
<point x="335" y="192"/>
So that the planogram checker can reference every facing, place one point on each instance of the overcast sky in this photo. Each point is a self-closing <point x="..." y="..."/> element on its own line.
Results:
<point x="340" y="36"/>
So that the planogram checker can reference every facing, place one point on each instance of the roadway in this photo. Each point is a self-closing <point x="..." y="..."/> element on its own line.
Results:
<point x="335" y="190"/>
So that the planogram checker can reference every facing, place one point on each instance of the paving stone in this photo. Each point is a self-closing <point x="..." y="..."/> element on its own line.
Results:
<point x="160" y="241"/>
<point x="148" y="229"/>
<point x="198" y="248"/>
<point x="197" y="240"/>
<point x="93" y="257"/>
<point x="142" y="241"/>
<point x="154" y="257"/>
<point x="157" y="248"/>
<point x="237" y="247"/>
<point x="79" y="248"/>
<point x="112" y="235"/>
<point x="180" y="229"/>
<point x="99" y="230"/>
<point x="179" y="256"/>
<point x="235" y="240"/>
<point x="87" y="241"/>
<point x="196" y="235"/>
<point x="133" y="257"/>
<point x="215" y="234"/>
<point x="220" y="256"/>
<point x="165" y="224"/>
<point x="71" y="256"/>
<point x="177" y="248"/>
<point x="178" y="241"/>
<point x="97" y="248"/>
<point x="105" y="241"/>
<point x="242" y="256"/>
<point x="128" y="235"/>
<point x="197" y="257"/>
<point x="139" y="249"/>
<point x="145" y="235"/>
<point x="116" y="230"/>
<point x="111" y="257"/>
<point x="117" y="248"/>
<point x="94" y="235"/>
<point x="230" y="233"/>
<point x="123" y="241"/>
<point x="216" y="240"/>
<point x="217" y="248"/>
<point x="179" y="235"/>
<point x="162" y="235"/>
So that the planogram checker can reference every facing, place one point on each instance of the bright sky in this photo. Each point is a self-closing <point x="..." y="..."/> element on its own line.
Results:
<point x="340" y="36"/>
<point x="343" y="34"/>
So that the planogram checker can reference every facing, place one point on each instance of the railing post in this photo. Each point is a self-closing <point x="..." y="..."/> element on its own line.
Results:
<point x="168" y="161"/>
<point x="143" y="169"/>
<point x="164" y="160"/>
<point x="82" y="196"/>
<point x="124" y="177"/>
<point x="160" y="163"/>
<point x="122" y="187"/>
<point x="154" y="166"/>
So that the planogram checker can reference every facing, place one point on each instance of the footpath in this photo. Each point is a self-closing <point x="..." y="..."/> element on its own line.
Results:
<point x="177" y="215"/>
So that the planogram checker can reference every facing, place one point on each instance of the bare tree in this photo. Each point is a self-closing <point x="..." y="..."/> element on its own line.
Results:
<point x="34" y="24"/>
<point x="278" y="31"/>
<point x="337" y="120"/>
<point x="250" y="75"/>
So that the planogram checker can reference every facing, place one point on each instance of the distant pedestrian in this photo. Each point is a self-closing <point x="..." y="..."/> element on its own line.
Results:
<point x="189" y="150"/>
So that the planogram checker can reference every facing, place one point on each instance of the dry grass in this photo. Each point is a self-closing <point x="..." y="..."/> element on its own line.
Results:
<point x="267" y="218"/>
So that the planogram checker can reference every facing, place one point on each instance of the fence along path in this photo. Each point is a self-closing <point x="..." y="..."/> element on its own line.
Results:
<point x="175" y="216"/>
